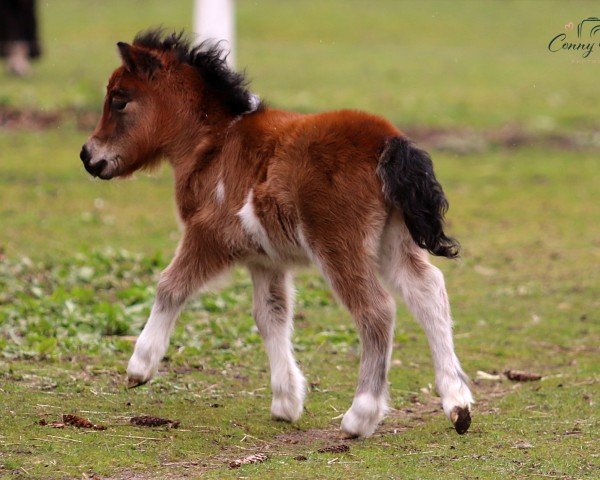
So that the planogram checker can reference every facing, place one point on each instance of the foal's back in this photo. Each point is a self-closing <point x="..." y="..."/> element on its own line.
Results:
<point x="333" y="140"/>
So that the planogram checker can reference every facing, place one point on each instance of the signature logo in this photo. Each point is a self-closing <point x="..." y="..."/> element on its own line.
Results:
<point x="588" y="38"/>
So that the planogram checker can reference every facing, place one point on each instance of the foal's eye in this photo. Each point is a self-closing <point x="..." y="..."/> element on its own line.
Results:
<point x="118" y="104"/>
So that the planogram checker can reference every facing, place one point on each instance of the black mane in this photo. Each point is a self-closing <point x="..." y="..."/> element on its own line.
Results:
<point x="209" y="59"/>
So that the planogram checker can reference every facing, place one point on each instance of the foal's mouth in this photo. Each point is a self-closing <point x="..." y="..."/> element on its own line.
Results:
<point x="105" y="176"/>
<point x="103" y="169"/>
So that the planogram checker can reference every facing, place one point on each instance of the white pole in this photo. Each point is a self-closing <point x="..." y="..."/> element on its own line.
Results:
<point x="214" y="20"/>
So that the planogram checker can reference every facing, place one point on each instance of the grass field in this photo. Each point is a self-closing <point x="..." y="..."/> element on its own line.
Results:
<point x="79" y="258"/>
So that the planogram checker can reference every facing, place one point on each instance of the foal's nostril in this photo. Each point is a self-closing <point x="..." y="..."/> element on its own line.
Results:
<point x="98" y="167"/>
<point x="95" y="169"/>
<point x="84" y="155"/>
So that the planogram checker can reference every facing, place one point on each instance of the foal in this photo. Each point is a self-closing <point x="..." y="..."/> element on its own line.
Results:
<point x="268" y="189"/>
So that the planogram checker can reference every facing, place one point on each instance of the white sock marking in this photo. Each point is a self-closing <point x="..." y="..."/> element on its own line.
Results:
<point x="152" y="344"/>
<point x="287" y="382"/>
<point x="364" y="415"/>
<point x="424" y="292"/>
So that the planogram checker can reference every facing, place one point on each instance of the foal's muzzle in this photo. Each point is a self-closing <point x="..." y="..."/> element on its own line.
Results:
<point x="93" y="168"/>
<point x="84" y="155"/>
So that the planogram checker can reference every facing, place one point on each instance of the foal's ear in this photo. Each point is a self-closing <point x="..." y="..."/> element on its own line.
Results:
<point x="138" y="60"/>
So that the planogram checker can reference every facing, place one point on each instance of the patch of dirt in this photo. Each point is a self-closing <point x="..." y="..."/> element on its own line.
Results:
<point x="458" y="140"/>
<point x="311" y="436"/>
<point x="15" y="119"/>
<point x="340" y="448"/>
<point x="301" y="444"/>
<point x="12" y="118"/>
<point x="465" y="141"/>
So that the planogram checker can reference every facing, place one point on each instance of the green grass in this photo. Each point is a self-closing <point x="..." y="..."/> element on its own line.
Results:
<point x="79" y="258"/>
<point x="524" y="296"/>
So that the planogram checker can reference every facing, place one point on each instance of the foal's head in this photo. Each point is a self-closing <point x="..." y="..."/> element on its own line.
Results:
<point x="164" y="96"/>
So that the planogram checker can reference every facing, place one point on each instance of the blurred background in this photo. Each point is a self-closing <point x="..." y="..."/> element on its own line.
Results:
<point x="514" y="132"/>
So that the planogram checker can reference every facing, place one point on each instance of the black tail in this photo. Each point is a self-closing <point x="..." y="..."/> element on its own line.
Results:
<point x="410" y="184"/>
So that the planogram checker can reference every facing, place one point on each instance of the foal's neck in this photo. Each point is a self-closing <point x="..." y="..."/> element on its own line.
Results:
<point x="193" y="160"/>
<point x="198" y="142"/>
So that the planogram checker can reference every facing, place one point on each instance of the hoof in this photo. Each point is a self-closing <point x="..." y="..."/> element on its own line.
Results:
<point x="287" y="408"/>
<point x="134" y="382"/>
<point x="364" y="416"/>
<point x="461" y="418"/>
<point x="140" y="370"/>
<point x="288" y="399"/>
<point x="287" y="414"/>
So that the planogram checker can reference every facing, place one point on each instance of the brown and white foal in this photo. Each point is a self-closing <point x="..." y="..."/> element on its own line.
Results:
<point x="269" y="189"/>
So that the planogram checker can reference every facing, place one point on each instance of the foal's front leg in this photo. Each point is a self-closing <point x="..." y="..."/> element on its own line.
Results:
<point x="273" y="312"/>
<point x="194" y="264"/>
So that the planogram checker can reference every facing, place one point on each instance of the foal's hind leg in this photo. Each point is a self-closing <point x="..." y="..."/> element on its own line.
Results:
<point x="352" y="276"/>
<point x="273" y="312"/>
<point x="408" y="269"/>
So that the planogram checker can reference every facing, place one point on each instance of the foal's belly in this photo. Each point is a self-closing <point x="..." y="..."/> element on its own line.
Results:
<point x="290" y="255"/>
